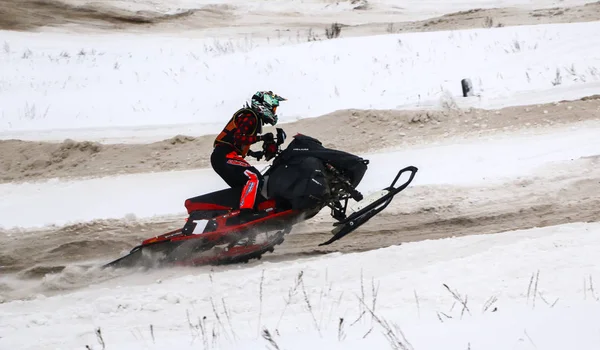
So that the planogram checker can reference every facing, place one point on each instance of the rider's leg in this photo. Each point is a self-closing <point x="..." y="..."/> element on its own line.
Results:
<point x="236" y="172"/>
<point x="218" y="160"/>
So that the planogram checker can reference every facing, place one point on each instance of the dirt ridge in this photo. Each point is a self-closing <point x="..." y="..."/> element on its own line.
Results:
<point x="376" y="129"/>
<point x="27" y="15"/>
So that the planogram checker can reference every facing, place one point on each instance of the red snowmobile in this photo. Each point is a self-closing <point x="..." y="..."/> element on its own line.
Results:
<point x="302" y="179"/>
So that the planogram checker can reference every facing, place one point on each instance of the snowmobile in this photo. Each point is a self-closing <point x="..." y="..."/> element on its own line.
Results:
<point x="302" y="179"/>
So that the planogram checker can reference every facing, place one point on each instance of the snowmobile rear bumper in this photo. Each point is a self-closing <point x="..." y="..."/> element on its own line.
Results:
<point x="358" y="218"/>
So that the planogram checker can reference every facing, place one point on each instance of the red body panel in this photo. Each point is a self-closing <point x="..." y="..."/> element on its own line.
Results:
<point x="221" y="232"/>
<point x="232" y="252"/>
<point x="267" y="204"/>
<point x="190" y="206"/>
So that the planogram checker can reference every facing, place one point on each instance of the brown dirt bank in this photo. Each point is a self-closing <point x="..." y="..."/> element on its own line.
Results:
<point x="349" y="130"/>
<point x="486" y="18"/>
<point x="25" y="15"/>
<point x="28" y="15"/>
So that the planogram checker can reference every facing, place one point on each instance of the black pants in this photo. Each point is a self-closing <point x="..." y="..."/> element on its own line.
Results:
<point x="236" y="172"/>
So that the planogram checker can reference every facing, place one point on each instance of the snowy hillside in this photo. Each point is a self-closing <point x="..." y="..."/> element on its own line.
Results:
<point x="112" y="83"/>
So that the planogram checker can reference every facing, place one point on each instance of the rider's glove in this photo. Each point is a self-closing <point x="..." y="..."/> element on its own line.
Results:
<point x="270" y="150"/>
<point x="257" y="155"/>
<point x="268" y="137"/>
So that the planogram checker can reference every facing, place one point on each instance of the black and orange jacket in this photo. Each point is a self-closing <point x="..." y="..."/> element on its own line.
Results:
<point x="241" y="131"/>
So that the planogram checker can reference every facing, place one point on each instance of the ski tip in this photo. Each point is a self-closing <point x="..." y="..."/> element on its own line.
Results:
<point x="332" y="239"/>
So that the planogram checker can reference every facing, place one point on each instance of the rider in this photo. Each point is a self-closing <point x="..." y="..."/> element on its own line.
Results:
<point x="232" y="145"/>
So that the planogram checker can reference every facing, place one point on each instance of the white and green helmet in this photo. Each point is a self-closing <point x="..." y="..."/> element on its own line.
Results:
<point x="265" y="103"/>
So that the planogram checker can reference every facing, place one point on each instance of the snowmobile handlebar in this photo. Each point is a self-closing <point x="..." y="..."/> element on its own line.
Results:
<point x="272" y="148"/>
<point x="281" y="136"/>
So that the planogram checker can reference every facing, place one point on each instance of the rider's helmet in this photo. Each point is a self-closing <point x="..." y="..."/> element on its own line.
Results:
<point x="265" y="104"/>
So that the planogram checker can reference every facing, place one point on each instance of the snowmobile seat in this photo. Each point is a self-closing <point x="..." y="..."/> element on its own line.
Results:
<point x="222" y="200"/>
<point x="225" y="199"/>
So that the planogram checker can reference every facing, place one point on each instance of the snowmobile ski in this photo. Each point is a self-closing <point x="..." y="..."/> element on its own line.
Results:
<point x="364" y="214"/>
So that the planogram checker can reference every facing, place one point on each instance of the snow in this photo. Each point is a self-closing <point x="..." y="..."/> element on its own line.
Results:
<point x="470" y="162"/>
<point x="193" y="85"/>
<point x="538" y="282"/>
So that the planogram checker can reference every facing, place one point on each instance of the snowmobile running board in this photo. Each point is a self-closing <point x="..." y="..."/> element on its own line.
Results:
<point x="358" y="218"/>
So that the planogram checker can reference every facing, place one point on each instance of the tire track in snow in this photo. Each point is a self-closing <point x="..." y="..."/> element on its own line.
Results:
<point x="562" y="195"/>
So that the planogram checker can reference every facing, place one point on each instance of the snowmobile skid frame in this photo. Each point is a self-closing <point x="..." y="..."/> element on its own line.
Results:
<point x="177" y="243"/>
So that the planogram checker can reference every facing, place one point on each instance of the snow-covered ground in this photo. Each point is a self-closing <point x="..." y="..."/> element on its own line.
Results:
<point x="111" y="86"/>
<point x="471" y="162"/>
<point x="531" y="289"/>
